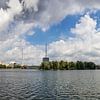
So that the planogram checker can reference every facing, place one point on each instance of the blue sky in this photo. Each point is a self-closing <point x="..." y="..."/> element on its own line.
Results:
<point x="60" y="30"/>
<point x="55" y="32"/>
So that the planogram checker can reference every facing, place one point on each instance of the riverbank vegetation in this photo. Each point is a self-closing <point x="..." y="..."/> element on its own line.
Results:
<point x="55" y="65"/>
<point x="10" y="66"/>
<point x="64" y="65"/>
<point x="18" y="66"/>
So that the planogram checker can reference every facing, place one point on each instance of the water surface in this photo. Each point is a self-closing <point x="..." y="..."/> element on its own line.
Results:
<point x="49" y="85"/>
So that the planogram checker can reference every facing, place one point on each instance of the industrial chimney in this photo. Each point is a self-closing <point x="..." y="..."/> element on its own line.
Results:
<point x="46" y="58"/>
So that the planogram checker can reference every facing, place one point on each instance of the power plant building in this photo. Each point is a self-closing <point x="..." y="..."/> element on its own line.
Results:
<point x="46" y="58"/>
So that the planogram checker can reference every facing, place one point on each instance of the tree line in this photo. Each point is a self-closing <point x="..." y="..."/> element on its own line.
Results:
<point x="65" y="65"/>
<point x="3" y="66"/>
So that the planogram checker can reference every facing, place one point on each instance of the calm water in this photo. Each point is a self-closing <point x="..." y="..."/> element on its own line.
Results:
<point x="49" y="85"/>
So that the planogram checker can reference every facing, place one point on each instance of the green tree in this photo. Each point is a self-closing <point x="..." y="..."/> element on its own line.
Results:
<point x="80" y="65"/>
<point x="2" y="66"/>
<point x="71" y="65"/>
<point x="63" y="65"/>
<point x="55" y="65"/>
<point x="45" y="66"/>
<point x="90" y="65"/>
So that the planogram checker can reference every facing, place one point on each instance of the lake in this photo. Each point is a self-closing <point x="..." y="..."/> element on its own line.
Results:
<point x="49" y="85"/>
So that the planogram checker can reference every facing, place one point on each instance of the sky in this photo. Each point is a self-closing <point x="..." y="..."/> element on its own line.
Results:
<point x="71" y="28"/>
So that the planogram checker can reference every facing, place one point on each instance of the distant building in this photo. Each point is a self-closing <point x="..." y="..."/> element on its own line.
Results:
<point x="46" y="58"/>
<point x="12" y="64"/>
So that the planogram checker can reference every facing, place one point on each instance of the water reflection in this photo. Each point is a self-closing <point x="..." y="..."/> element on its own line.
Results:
<point x="49" y="85"/>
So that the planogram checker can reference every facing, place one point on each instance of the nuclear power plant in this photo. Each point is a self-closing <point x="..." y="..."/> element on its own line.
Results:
<point x="46" y="58"/>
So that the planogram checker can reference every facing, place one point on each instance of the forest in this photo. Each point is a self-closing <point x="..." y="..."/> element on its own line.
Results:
<point x="65" y="65"/>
